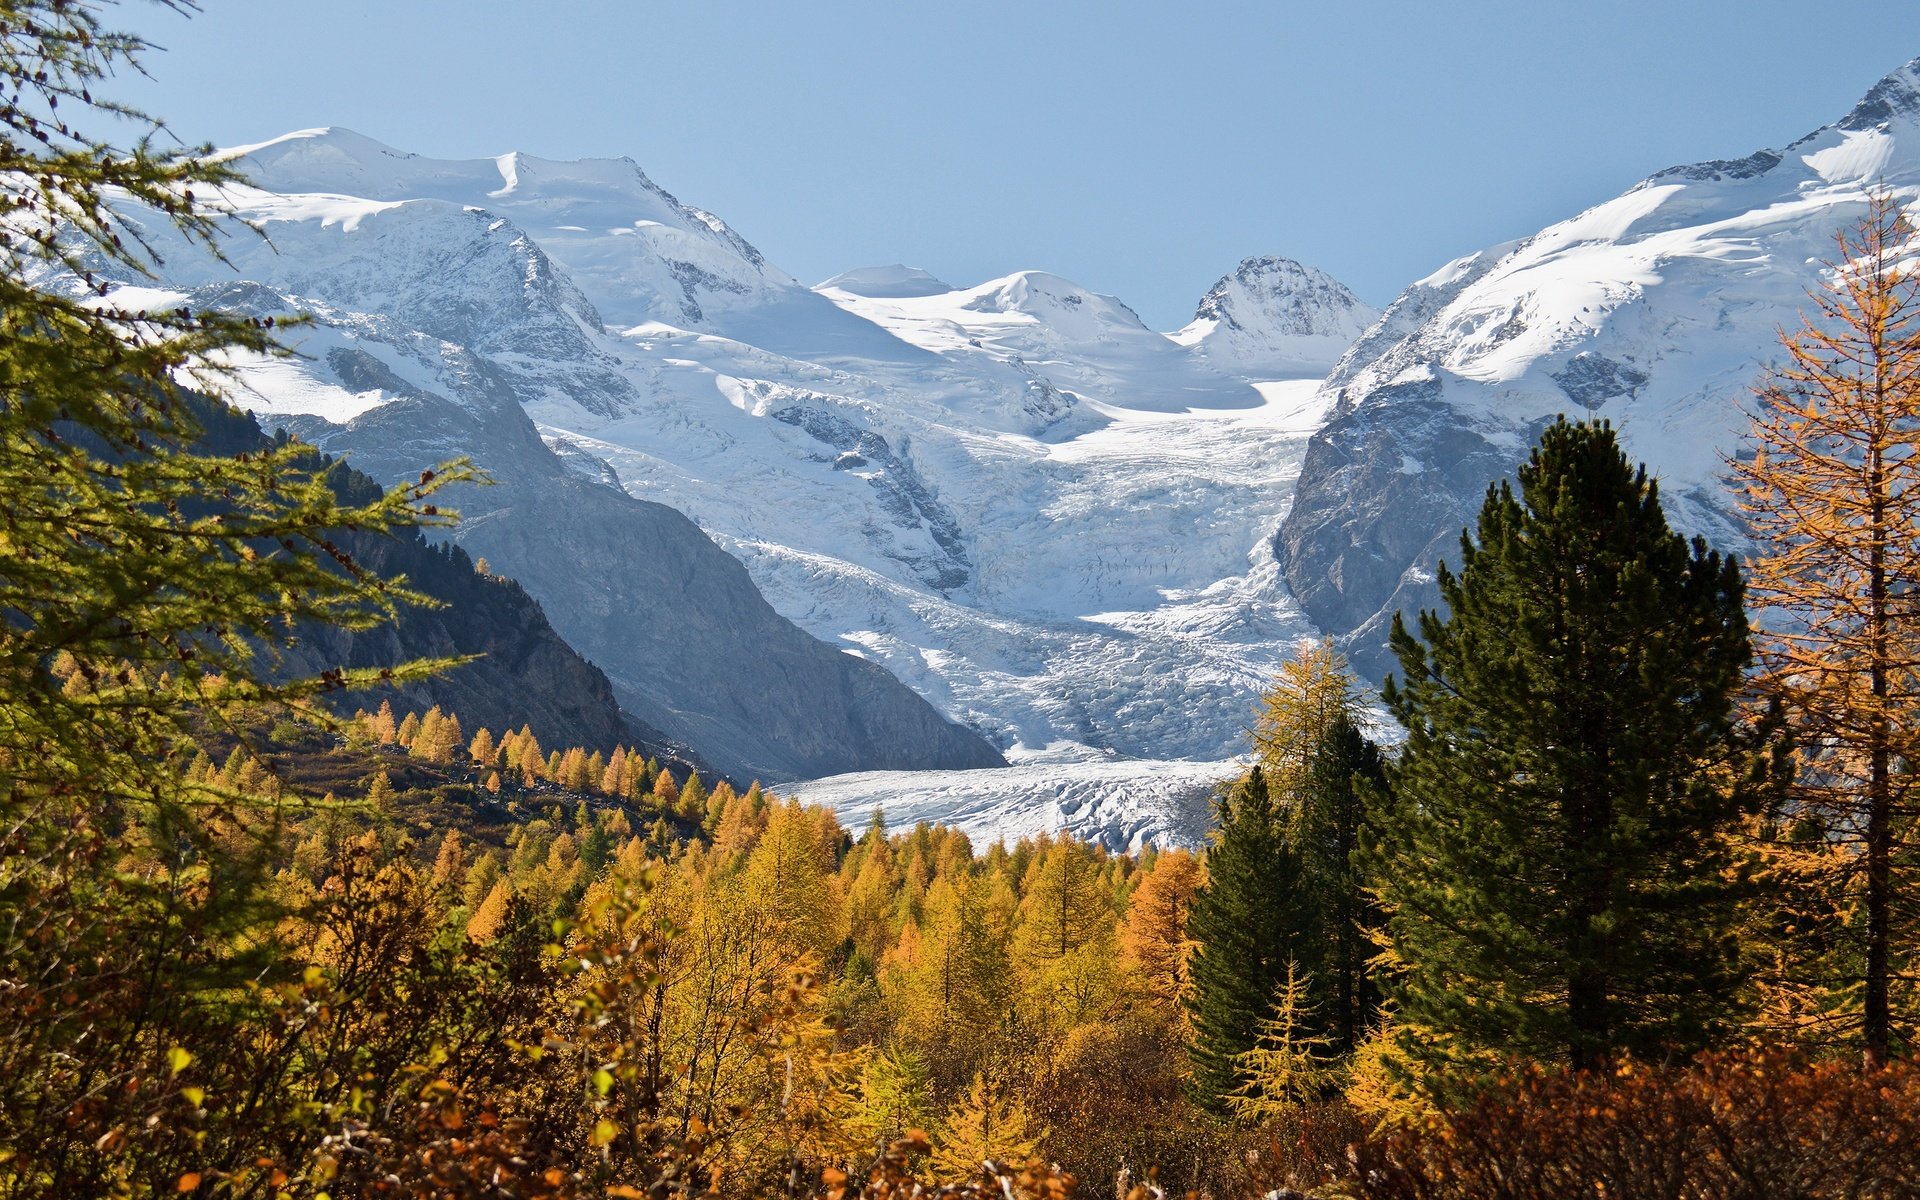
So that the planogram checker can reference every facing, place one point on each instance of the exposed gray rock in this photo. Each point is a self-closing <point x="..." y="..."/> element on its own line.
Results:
<point x="1384" y="492"/>
<point x="1590" y="380"/>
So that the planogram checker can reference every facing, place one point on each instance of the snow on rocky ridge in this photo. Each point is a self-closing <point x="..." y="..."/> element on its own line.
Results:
<point x="1273" y="316"/>
<point x="1048" y="519"/>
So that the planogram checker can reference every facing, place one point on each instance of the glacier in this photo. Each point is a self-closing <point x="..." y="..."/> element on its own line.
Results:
<point x="1088" y="541"/>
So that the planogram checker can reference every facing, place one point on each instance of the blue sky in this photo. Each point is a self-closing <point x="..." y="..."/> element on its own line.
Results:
<point x="1141" y="149"/>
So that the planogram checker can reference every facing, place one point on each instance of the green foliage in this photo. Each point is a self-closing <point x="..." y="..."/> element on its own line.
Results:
<point x="1557" y="862"/>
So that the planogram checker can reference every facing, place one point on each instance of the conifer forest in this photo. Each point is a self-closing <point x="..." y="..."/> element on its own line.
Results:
<point x="1611" y="890"/>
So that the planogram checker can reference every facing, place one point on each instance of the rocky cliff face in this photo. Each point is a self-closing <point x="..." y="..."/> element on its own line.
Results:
<point x="1656" y="311"/>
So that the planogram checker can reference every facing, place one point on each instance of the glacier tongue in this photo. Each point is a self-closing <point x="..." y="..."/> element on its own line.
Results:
<point x="1124" y="803"/>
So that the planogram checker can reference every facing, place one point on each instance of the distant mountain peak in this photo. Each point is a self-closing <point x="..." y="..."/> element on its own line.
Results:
<point x="1275" y="316"/>
<point x="630" y="245"/>
<point x="1657" y="308"/>
<point x="894" y="281"/>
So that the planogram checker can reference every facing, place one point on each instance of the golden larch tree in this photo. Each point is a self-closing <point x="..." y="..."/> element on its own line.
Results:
<point x="1832" y="495"/>
<point x="1153" y="940"/>
<point x="1311" y="692"/>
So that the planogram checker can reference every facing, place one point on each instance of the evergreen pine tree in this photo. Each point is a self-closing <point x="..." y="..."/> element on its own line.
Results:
<point x="1344" y="779"/>
<point x="1242" y="922"/>
<point x="596" y="848"/>
<point x="1556" y="863"/>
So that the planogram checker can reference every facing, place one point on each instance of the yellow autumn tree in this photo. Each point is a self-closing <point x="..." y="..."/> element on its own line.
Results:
<point x="1832" y="495"/>
<point x="1288" y="1064"/>
<point x="1154" y="942"/>
<point x="1309" y="694"/>
<point x="382" y="726"/>
<point x="986" y="1125"/>
<point x="490" y="918"/>
<point x="482" y="749"/>
<point x="949" y="979"/>
<point x="1064" y="943"/>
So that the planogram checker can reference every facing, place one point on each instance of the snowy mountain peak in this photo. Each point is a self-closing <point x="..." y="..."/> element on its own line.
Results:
<point x="1048" y="298"/>
<point x="637" y="252"/>
<point x="1274" y="316"/>
<point x="1656" y="309"/>
<point x="892" y="282"/>
<point x="1895" y="97"/>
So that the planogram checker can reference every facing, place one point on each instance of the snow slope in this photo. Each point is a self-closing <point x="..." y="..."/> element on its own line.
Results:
<point x="1656" y="310"/>
<point x="1048" y="519"/>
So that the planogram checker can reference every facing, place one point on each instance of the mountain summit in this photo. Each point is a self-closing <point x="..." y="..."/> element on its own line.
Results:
<point x="1274" y="317"/>
<point x="1015" y="499"/>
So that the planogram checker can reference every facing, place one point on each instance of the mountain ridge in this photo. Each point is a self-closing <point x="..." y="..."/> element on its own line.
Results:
<point x="1656" y="309"/>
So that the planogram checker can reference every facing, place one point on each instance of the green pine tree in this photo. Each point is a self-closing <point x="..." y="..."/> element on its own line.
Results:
<point x="1243" y="922"/>
<point x="1556" y="864"/>
<point x="596" y="847"/>
<point x="1345" y="780"/>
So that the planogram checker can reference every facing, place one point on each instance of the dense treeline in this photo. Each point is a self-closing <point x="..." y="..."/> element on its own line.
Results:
<point x="1630" y="912"/>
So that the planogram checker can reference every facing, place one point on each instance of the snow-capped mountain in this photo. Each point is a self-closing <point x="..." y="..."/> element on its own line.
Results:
<point x="1656" y="310"/>
<point x="618" y="235"/>
<point x="1273" y="316"/>
<point x="1047" y="519"/>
